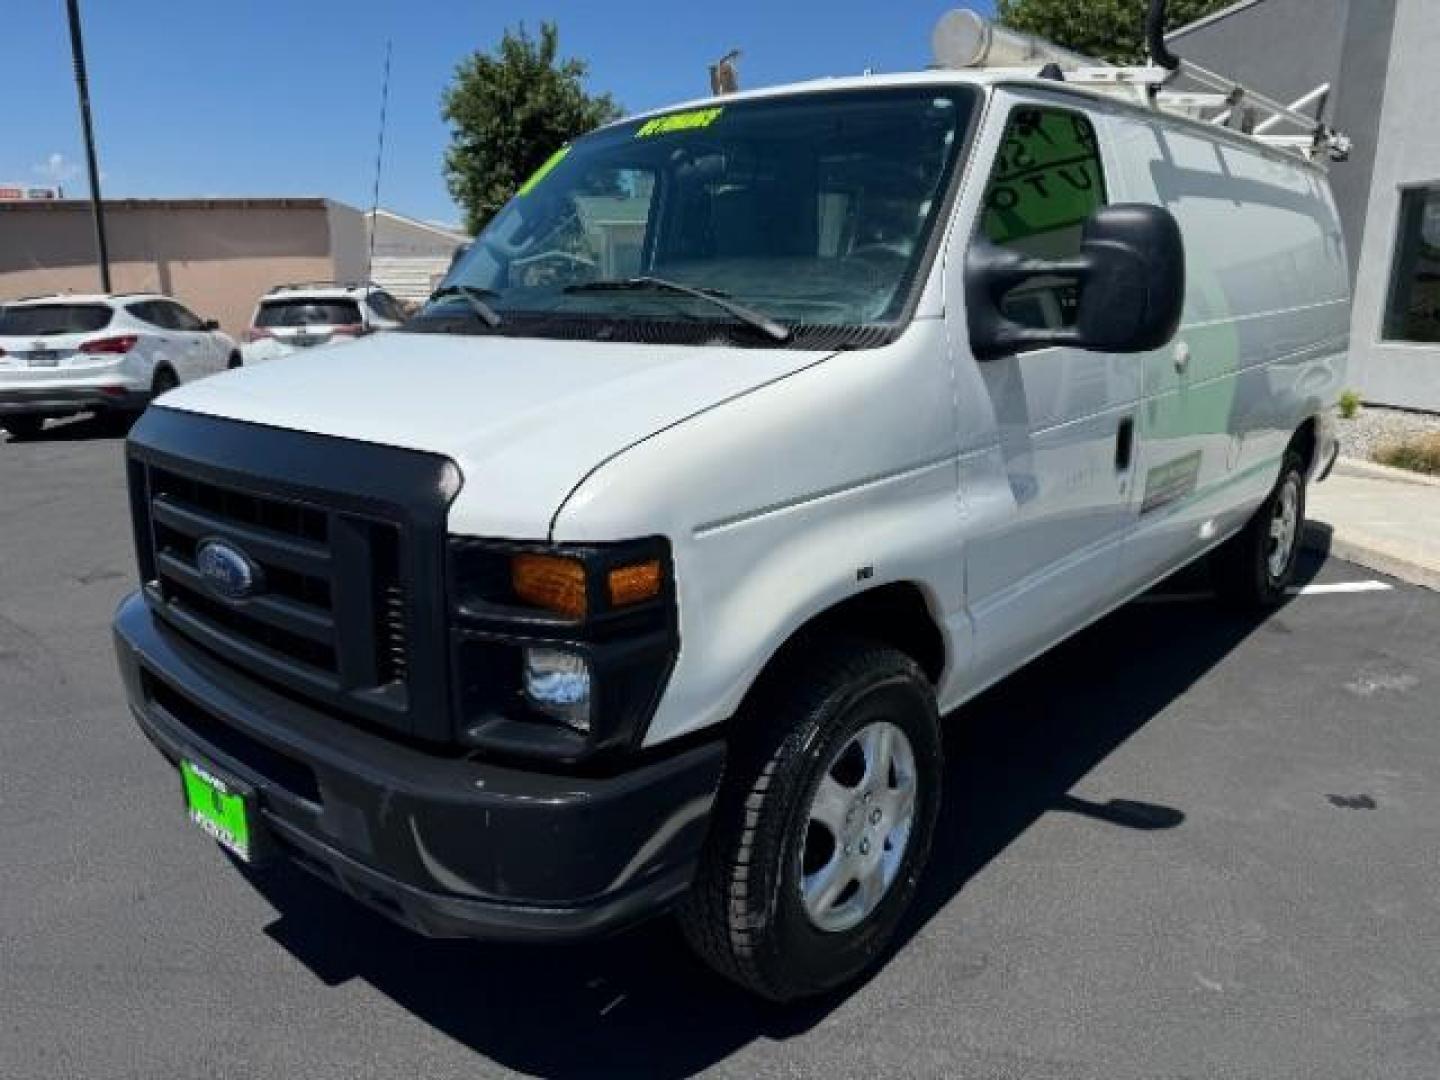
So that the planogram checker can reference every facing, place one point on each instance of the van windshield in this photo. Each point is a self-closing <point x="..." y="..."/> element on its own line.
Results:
<point x="813" y="211"/>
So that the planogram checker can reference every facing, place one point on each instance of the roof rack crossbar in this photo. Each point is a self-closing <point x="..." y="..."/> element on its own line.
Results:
<point x="1222" y="102"/>
<point x="322" y="284"/>
<point x="965" y="39"/>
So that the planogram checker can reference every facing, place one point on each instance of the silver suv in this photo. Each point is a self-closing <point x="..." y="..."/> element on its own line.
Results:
<point x="306" y="314"/>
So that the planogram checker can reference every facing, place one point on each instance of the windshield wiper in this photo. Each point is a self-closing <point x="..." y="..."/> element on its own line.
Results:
<point x="475" y="298"/>
<point x="748" y="316"/>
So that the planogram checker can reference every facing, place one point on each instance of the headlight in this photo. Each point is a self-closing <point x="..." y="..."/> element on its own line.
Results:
<point x="557" y="683"/>
<point x="560" y="651"/>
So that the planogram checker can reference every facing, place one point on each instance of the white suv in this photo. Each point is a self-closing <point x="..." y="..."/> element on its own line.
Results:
<point x="66" y="354"/>
<point x="291" y="317"/>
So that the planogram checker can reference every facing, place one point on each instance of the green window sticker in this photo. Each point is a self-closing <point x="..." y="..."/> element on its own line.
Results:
<point x="544" y="170"/>
<point x="681" y="121"/>
<point x="1047" y="176"/>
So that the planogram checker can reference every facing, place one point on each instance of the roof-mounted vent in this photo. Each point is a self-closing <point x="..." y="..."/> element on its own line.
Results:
<point x="963" y="39"/>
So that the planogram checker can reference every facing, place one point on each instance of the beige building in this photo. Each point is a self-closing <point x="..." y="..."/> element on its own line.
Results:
<point x="411" y="256"/>
<point x="216" y="256"/>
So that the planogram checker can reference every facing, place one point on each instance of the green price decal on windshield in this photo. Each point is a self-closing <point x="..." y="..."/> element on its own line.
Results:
<point x="544" y="170"/>
<point x="682" y="121"/>
<point x="1047" y="176"/>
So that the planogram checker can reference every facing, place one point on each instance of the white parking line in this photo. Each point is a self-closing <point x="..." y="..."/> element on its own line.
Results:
<point x="1340" y="587"/>
<point x="1330" y="588"/>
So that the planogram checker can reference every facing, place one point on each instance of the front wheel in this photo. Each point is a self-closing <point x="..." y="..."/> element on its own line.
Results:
<point x="823" y="824"/>
<point x="1254" y="568"/>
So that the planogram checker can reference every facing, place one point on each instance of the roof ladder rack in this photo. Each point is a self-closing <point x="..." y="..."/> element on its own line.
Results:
<point x="1227" y="104"/>
<point x="964" y="39"/>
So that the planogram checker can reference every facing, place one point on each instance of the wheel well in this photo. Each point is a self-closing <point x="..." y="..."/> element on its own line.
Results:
<point x="895" y="615"/>
<point x="1304" y="443"/>
<point x="163" y="369"/>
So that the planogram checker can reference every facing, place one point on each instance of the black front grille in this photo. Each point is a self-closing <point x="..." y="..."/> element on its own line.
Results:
<point x="290" y="627"/>
<point x="335" y="619"/>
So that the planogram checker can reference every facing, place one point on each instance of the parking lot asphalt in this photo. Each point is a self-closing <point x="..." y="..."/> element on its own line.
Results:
<point x="1185" y="844"/>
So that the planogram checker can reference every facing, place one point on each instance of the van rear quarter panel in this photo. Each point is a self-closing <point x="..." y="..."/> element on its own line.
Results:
<point x="1266" y="322"/>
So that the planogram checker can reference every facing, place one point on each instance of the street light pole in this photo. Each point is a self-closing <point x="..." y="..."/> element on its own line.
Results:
<point x="82" y="87"/>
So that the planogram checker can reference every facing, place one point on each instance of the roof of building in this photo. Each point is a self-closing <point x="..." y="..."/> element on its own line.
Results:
<point x="453" y="235"/>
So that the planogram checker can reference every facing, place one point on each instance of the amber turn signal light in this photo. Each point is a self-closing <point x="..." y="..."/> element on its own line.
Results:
<point x="634" y="584"/>
<point x="551" y="582"/>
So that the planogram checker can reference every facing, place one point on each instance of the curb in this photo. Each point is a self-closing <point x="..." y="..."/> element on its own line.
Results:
<point x="1321" y="537"/>
<point x="1370" y="470"/>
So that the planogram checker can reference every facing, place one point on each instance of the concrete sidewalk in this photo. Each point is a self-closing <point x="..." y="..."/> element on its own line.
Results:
<point x="1381" y="518"/>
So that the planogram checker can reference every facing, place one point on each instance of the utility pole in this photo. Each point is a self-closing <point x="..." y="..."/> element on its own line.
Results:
<point x="82" y="87"/>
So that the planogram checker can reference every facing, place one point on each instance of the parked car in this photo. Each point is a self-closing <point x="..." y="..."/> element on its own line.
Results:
<point x="750" y="438"/>
<point x="110" y="354"/>
<point x="292" y="317"/>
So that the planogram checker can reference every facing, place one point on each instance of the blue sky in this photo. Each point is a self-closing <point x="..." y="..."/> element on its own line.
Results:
<point x="281" y="97"/>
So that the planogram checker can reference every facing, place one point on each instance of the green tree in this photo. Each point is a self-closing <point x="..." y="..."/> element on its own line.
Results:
<point x="1111" y="30"/>
<point x="509" y="110"/>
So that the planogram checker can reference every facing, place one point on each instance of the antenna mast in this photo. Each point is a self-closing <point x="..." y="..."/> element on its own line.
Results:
<point x="379" y="158"/>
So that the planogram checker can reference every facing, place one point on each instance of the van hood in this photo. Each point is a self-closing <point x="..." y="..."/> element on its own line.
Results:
<point x="524" y="419"/>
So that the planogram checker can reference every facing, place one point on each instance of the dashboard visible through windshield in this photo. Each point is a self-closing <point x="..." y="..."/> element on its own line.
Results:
<point x="801" y="211"/>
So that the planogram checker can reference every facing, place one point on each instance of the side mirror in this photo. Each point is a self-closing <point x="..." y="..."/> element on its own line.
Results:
<point x="212" y="324"/>
<point x="1129" y="276"/>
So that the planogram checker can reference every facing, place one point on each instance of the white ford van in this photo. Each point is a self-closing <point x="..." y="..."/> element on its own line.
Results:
<point x="751" y="438"/>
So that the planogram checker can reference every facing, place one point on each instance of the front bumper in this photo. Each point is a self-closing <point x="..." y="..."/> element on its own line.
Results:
<point x="64" y="400"/>
<point x="447" y="846"/>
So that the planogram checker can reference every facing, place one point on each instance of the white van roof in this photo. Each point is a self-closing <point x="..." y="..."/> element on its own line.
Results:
<point x="983" y="78"/>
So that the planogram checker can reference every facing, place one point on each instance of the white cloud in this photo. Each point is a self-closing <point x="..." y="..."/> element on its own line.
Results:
<point x="58" y="169"/>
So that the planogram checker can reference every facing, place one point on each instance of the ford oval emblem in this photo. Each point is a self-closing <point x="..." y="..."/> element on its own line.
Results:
<point x="227" y="570"/>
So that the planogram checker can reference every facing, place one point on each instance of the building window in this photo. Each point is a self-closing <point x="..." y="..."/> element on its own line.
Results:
<point x="1413" y="312"/>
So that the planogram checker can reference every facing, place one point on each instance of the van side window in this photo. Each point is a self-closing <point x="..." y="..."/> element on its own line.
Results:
<point x="1046" y="181"/>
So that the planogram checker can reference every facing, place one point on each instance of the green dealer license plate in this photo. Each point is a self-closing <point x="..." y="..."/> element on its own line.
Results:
<point x="218" y="807"/>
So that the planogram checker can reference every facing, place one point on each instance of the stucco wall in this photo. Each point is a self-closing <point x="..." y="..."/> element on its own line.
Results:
<point x="1381" y="57"/>
<point x="1409" y="154"/>
<point x="216" y="257"/>
<point x="349" y="243"/>
<point x="1286" y="48"/>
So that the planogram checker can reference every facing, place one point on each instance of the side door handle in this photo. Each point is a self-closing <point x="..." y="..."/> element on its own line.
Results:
<point x="1124" y="444"/>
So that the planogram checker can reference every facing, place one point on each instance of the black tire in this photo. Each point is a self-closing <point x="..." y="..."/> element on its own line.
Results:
<point x="236" y="360"/>
<point x="1246" y="569"/>
<point x="165" y="379"/>
<point x="116" y="421"/>
<point x="23" y="426"/>
<point x="745" y="914"/>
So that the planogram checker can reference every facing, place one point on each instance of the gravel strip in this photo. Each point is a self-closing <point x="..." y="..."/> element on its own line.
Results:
<point x="1374" y="427"/>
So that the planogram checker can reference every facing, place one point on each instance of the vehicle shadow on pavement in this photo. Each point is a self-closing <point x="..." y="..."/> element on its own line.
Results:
<point x="85" y="428"/>
<point x="639" y="1004"/>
